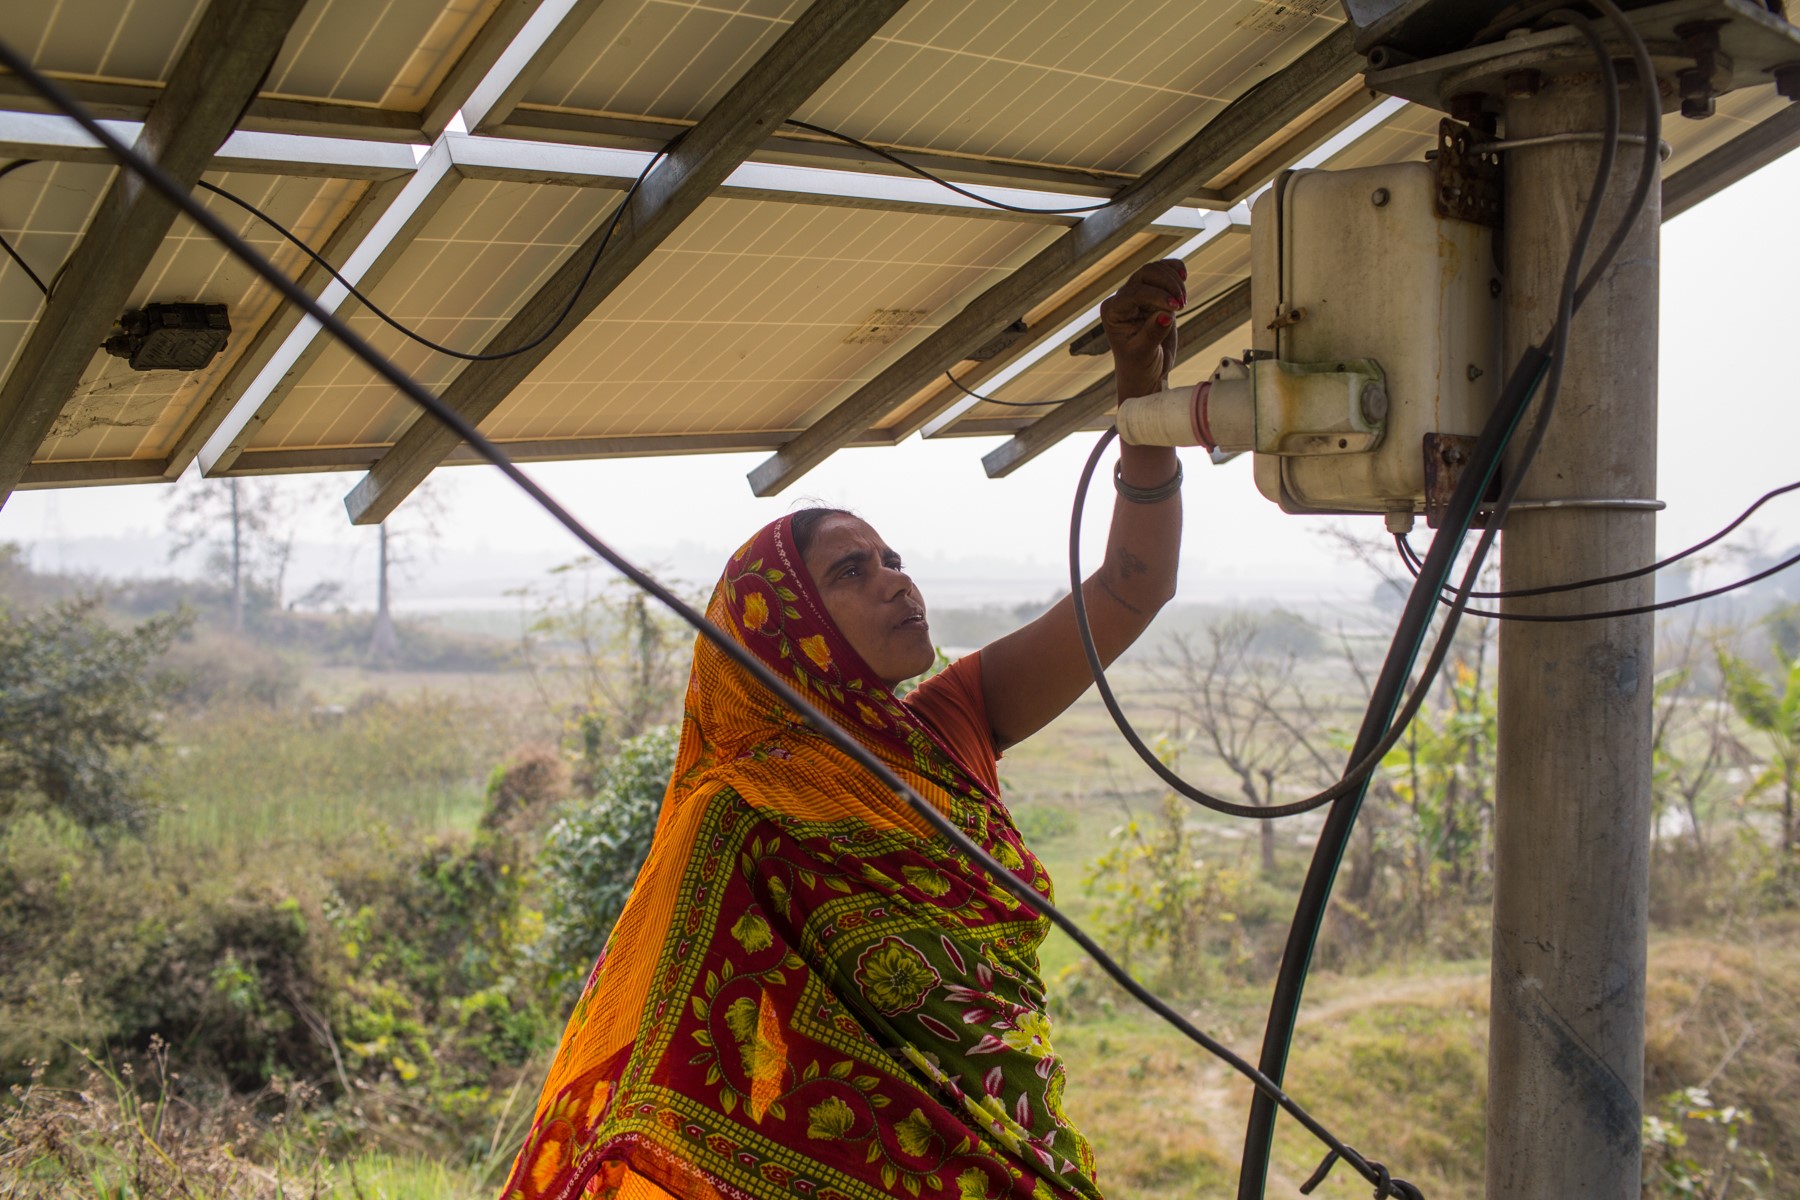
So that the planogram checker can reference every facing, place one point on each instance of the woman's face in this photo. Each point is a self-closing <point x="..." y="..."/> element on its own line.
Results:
<point x="869" y="598"/>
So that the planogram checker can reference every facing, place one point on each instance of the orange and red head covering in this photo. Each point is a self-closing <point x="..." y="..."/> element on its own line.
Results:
<point x="808" y="994"/>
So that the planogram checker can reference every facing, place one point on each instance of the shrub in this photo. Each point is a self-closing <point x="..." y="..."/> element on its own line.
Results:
<point x="524" y="788"/>
<point x="77" y="697"/>
<point x="1041" y="822"/>
<point x="593" y="852"/>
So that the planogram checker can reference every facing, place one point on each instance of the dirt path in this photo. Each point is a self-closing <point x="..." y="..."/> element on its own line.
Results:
<point x="1221" y="1096"/>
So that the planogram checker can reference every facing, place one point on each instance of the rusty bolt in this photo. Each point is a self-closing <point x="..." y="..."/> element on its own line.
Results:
<point x="1697" y="94"/>
<point x="1455" y="457"/>
<point x="1523" y="85"/>
<point x="1787" y="81"/>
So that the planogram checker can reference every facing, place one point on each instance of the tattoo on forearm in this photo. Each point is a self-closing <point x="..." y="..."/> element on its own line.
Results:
<point x="1130" y="566"/>
<point x="1123" y="603"/>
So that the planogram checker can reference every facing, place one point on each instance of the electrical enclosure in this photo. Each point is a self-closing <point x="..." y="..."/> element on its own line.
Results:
<point x="1361" y="265"/>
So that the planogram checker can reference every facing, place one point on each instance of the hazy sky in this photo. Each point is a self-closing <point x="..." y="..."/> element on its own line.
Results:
<point x="1730" y="422"/>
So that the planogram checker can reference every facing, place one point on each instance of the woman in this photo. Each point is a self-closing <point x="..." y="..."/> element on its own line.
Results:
<point x="809" y="994"/>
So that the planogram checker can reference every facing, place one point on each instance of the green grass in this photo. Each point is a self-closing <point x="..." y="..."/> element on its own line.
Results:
<point x="243" y="781"/>
<point x="378" y="1176"/>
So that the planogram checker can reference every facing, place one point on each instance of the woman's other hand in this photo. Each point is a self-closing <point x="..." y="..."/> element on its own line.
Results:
<point x="1139" y="320"/>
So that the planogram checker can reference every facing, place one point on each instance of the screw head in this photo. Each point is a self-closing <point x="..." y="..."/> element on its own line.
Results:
<point x="1374" y="403"/>
<point x="1380" y="198"/>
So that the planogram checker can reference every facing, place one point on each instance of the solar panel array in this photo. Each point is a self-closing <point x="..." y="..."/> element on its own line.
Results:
<point x="455" y="156"/>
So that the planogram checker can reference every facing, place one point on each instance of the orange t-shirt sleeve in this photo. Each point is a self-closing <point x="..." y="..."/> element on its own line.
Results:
<point x="954" y="705"/>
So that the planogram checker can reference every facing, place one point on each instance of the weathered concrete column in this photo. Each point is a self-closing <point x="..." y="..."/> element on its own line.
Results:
<point x="1565" y="1088"/>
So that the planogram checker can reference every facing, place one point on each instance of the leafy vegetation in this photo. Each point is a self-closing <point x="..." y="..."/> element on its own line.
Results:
<point x="260" y="943"/>
<point x="593" y="851"/>
<point x="77" y="698"/>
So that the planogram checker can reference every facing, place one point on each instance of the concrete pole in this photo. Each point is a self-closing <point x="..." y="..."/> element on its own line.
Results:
<point x="1572" y="837"/>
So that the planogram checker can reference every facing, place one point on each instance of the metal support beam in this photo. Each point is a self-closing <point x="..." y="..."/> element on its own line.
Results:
<point x="797" y="65"/>
<point x="542" y="39"/>
<point x="231" y="49"/>
<point x="1244" y="127"/>
<point x="1572" y="807"/>
<point x="271" y="462"/>
<point x="594" y="166"/>
<point x="1199" y="333"/>
<point x="1743" y="155"/>
<point x="267" y="114"/>
<point x="799" y="148"/>
<point x="252" y="399"/>
<point x="1034" y="345"/>
<point x="56" y="138"/>
<point x="476" y="62"/>
<point x="368" y="210"/>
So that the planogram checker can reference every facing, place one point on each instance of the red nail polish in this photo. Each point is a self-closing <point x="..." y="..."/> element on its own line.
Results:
<point x="1182" y="269"/>
<point x="1164" y="319"/>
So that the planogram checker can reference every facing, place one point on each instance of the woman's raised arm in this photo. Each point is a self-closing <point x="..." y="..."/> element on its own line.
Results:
<point x="1032" y="674"/>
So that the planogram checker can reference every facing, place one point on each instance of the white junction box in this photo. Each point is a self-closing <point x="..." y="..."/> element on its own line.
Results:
<point x="1357" y="277"/>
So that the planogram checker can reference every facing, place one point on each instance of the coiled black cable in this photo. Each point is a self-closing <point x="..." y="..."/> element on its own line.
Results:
<point x="156" y="178"/>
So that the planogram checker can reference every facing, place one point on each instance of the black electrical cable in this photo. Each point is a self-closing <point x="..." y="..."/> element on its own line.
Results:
<point x="465" y="356"/>
<point x="1334" y="838"/>
<point x="1412" y="557"/>
<point x="7" y="246"/>
<point x="966" y="390"/>
<point x="921" y="172"/>
<point x="1635" y="611"/>
<point x="1518" y="395"/>
<point x="822" y="723"/>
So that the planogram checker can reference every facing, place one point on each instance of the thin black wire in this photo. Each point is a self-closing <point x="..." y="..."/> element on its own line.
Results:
<point x="821" y="722"/>
<point x="1412" y="556"/>
<point x="7" y="246"/>
<point x="968" y="391"/>
<point x="568" y="306"/>
<point x="921" y="172"/>
<point x="1608" y="614"/>
<point x="1652" y="114"/>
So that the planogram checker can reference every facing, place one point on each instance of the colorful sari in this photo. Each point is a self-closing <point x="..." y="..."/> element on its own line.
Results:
<point x="809" y="994"/>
